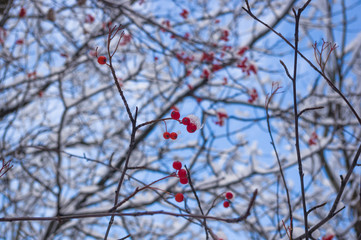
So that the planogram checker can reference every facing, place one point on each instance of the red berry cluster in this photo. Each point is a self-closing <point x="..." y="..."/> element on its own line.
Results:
<point x="125" y="39"/>
<point x="227" y="201"/>
<point x="205" y="73"/>
<point x="89" y="18"/>
<point x="171" y="135"/>
<point x="328" y="237"/>
<point x="183" y="179"/>
<point x="225" y="35"/>
<point x="313" y="140"/>
<point x="253" y="95"/>
<point x="247" y="66"/>
<point x="183" y="57"/>
<point x="191" y="126"/>
<point x="167" y="24"/>
<point x="182" y="173"/>
<point x="221" y="115"/>
<point x="242" y="50"/>
<point x="207" y="57"/>
<point x="189" y="121"/>
<point x="184" y="14"/>
<point x="22" y="12"/>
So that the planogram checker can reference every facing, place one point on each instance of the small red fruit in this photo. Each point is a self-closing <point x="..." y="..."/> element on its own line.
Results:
<point x="175" y="115"/>
<point x="191" y="127"/>
<point x="328" y="237"/>
<point x="102" y="60"/>
<point x="186" y="121"/>
<point x="179" y="197"/>
<point x="229" y="195"/>
<point x="177" y="165"/>
<point x="19" y="41"/>
<point x="22" y="12"/>
<point x="166" y="135"/>
<point x="182" y="173"/>
<point x="173" y="135"/>
<point x="183" y="180"/>
<point x="226" y="204"/>
<point x="184" y="14"/>
<point x="89" y="19"/>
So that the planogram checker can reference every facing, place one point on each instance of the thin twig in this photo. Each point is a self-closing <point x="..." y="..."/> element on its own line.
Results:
<point x="133" y="214"/>
<point x="198" y="201"/>
<point x="298" y="151"/>
<point x="268" y="100"/>
<point x="309" y="109"/>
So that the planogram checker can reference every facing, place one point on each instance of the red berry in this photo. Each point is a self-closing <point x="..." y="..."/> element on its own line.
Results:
<point x="177" y="165"/>
<point x="173" y="136"/>
<point x="226" y="204"/>
<point x="179" y="197"/>
<point x="183" y="180"/>
<point x="22" y="12"/>
<point x="229" y="195"/>
<point x="166" y="135"/>
<point x="175" y="115"/>
<point x="328" y="237"/>
<point x="89" y="18"/>
<point x="102" y="60"/>
<point x="191" y="127"/>
<point x="186" y="121"/>
<point x="182" y="173"/>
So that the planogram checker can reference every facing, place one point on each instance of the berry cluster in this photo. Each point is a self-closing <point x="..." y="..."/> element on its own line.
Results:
<point x="225" y="35"/>
<point x="313" y="139"/>
<point x="245" y="65"/>
<point x="184" y="14"/>
<point x="227" y="201"/>
<point x="253" y="95"/>
<point x="191" y="121"/>
<point x="22" y="12"/>
<point x="183" y="178"/>
<point x="89" y="19"/>
<point x="171" y="135"/>
<point x="221" y="115"/>
<point x="182" y="173"/>
<point x="328" y="237"/>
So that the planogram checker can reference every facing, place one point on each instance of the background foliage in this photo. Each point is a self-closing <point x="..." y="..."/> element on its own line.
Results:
<point x="66" y="132"/>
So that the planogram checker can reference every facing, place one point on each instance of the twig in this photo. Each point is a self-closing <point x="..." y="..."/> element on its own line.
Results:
<point x="286" y="70"/>
<point x="268" y="100"/>
<point x="309" y="109"/>
<point x="198" y="202"/>
<point x="132" y="214"/>
<point x="298" y="151"/>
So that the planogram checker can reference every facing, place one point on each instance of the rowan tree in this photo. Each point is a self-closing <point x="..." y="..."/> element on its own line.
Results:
<point x="180" y="119"/>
